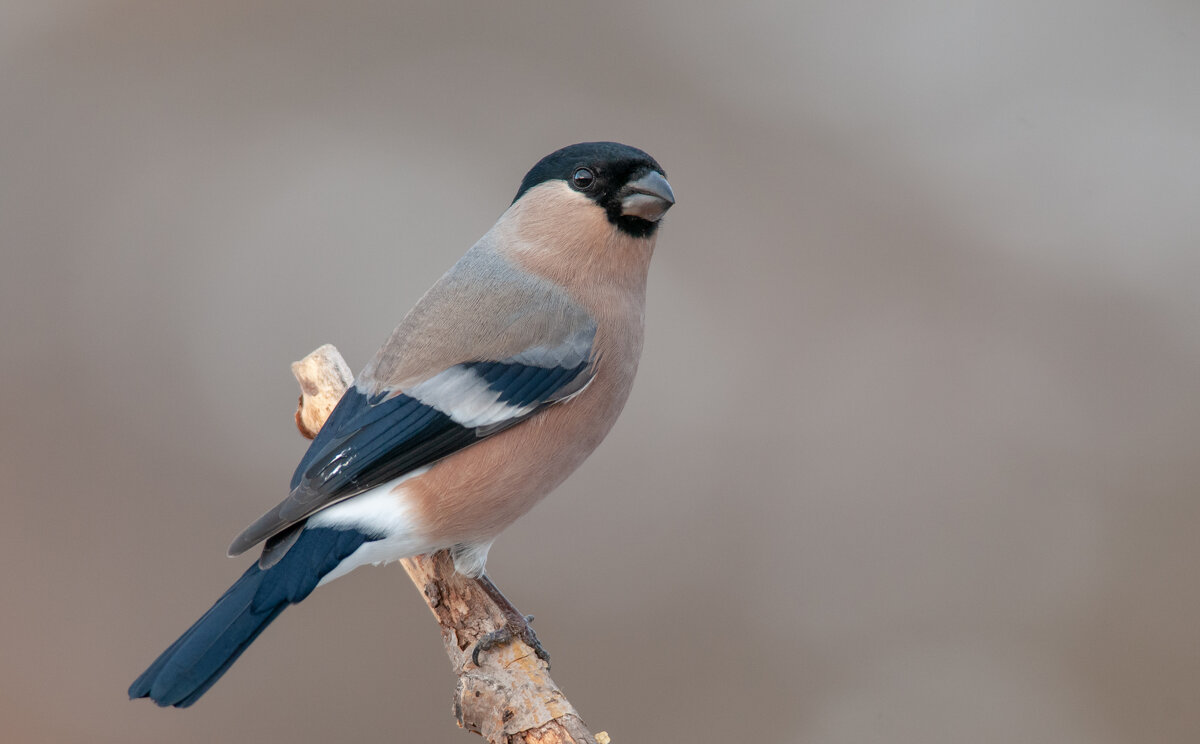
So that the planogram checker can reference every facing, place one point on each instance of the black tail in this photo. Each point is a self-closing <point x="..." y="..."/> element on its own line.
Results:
<point x="192" y="664"/>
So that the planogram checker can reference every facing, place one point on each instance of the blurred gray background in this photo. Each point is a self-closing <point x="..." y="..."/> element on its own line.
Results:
<point x="913" y="452"/>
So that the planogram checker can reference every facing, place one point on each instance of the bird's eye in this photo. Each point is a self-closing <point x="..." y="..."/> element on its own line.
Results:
<point x="582" y="178"/>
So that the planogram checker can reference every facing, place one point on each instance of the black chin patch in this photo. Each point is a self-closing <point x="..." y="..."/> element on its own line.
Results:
<point x="635" y="226"/>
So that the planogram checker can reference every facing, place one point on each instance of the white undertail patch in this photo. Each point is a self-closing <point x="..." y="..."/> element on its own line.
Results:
<point x="384" y="510"/>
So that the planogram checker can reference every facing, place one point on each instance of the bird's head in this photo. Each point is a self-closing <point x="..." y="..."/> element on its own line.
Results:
<point x="586" y="216"/>
<point x="627" y="184"/>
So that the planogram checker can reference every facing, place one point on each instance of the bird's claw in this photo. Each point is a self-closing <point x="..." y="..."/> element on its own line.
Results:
<point x="507" y="633"/>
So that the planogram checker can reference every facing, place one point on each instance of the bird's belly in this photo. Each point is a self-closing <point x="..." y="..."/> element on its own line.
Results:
<point x="474" y="494"/>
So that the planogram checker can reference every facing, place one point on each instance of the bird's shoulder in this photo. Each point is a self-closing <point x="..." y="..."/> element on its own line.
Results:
<point x="483" y="309"/>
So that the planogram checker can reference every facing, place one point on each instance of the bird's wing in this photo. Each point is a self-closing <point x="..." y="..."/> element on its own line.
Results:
<point x="486" y="348"/>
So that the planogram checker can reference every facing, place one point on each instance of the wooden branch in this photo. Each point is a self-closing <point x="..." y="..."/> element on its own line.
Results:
<point x="511" y="698"/>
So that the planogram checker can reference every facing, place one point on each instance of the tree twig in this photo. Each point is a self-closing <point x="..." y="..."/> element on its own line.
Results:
<point x="511" y="698"/>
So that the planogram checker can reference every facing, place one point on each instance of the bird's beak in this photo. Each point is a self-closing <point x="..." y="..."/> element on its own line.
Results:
<point x="649" y="197"/>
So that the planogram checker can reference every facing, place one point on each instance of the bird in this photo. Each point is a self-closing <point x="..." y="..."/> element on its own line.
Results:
<point x="490" y="392"/>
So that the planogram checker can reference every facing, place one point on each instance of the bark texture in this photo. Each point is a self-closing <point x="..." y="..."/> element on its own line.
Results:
<point x="511" y="697"/>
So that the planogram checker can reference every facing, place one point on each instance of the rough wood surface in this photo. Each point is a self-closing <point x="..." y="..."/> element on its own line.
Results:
<point x="511" y="697"/>
<point x="323" y="376"/>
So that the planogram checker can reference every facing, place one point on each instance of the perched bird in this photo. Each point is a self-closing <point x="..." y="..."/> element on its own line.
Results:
<point x="492" y="390"/>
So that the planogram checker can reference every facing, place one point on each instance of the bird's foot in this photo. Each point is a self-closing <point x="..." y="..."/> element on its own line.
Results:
<point x="517" y="628"/>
